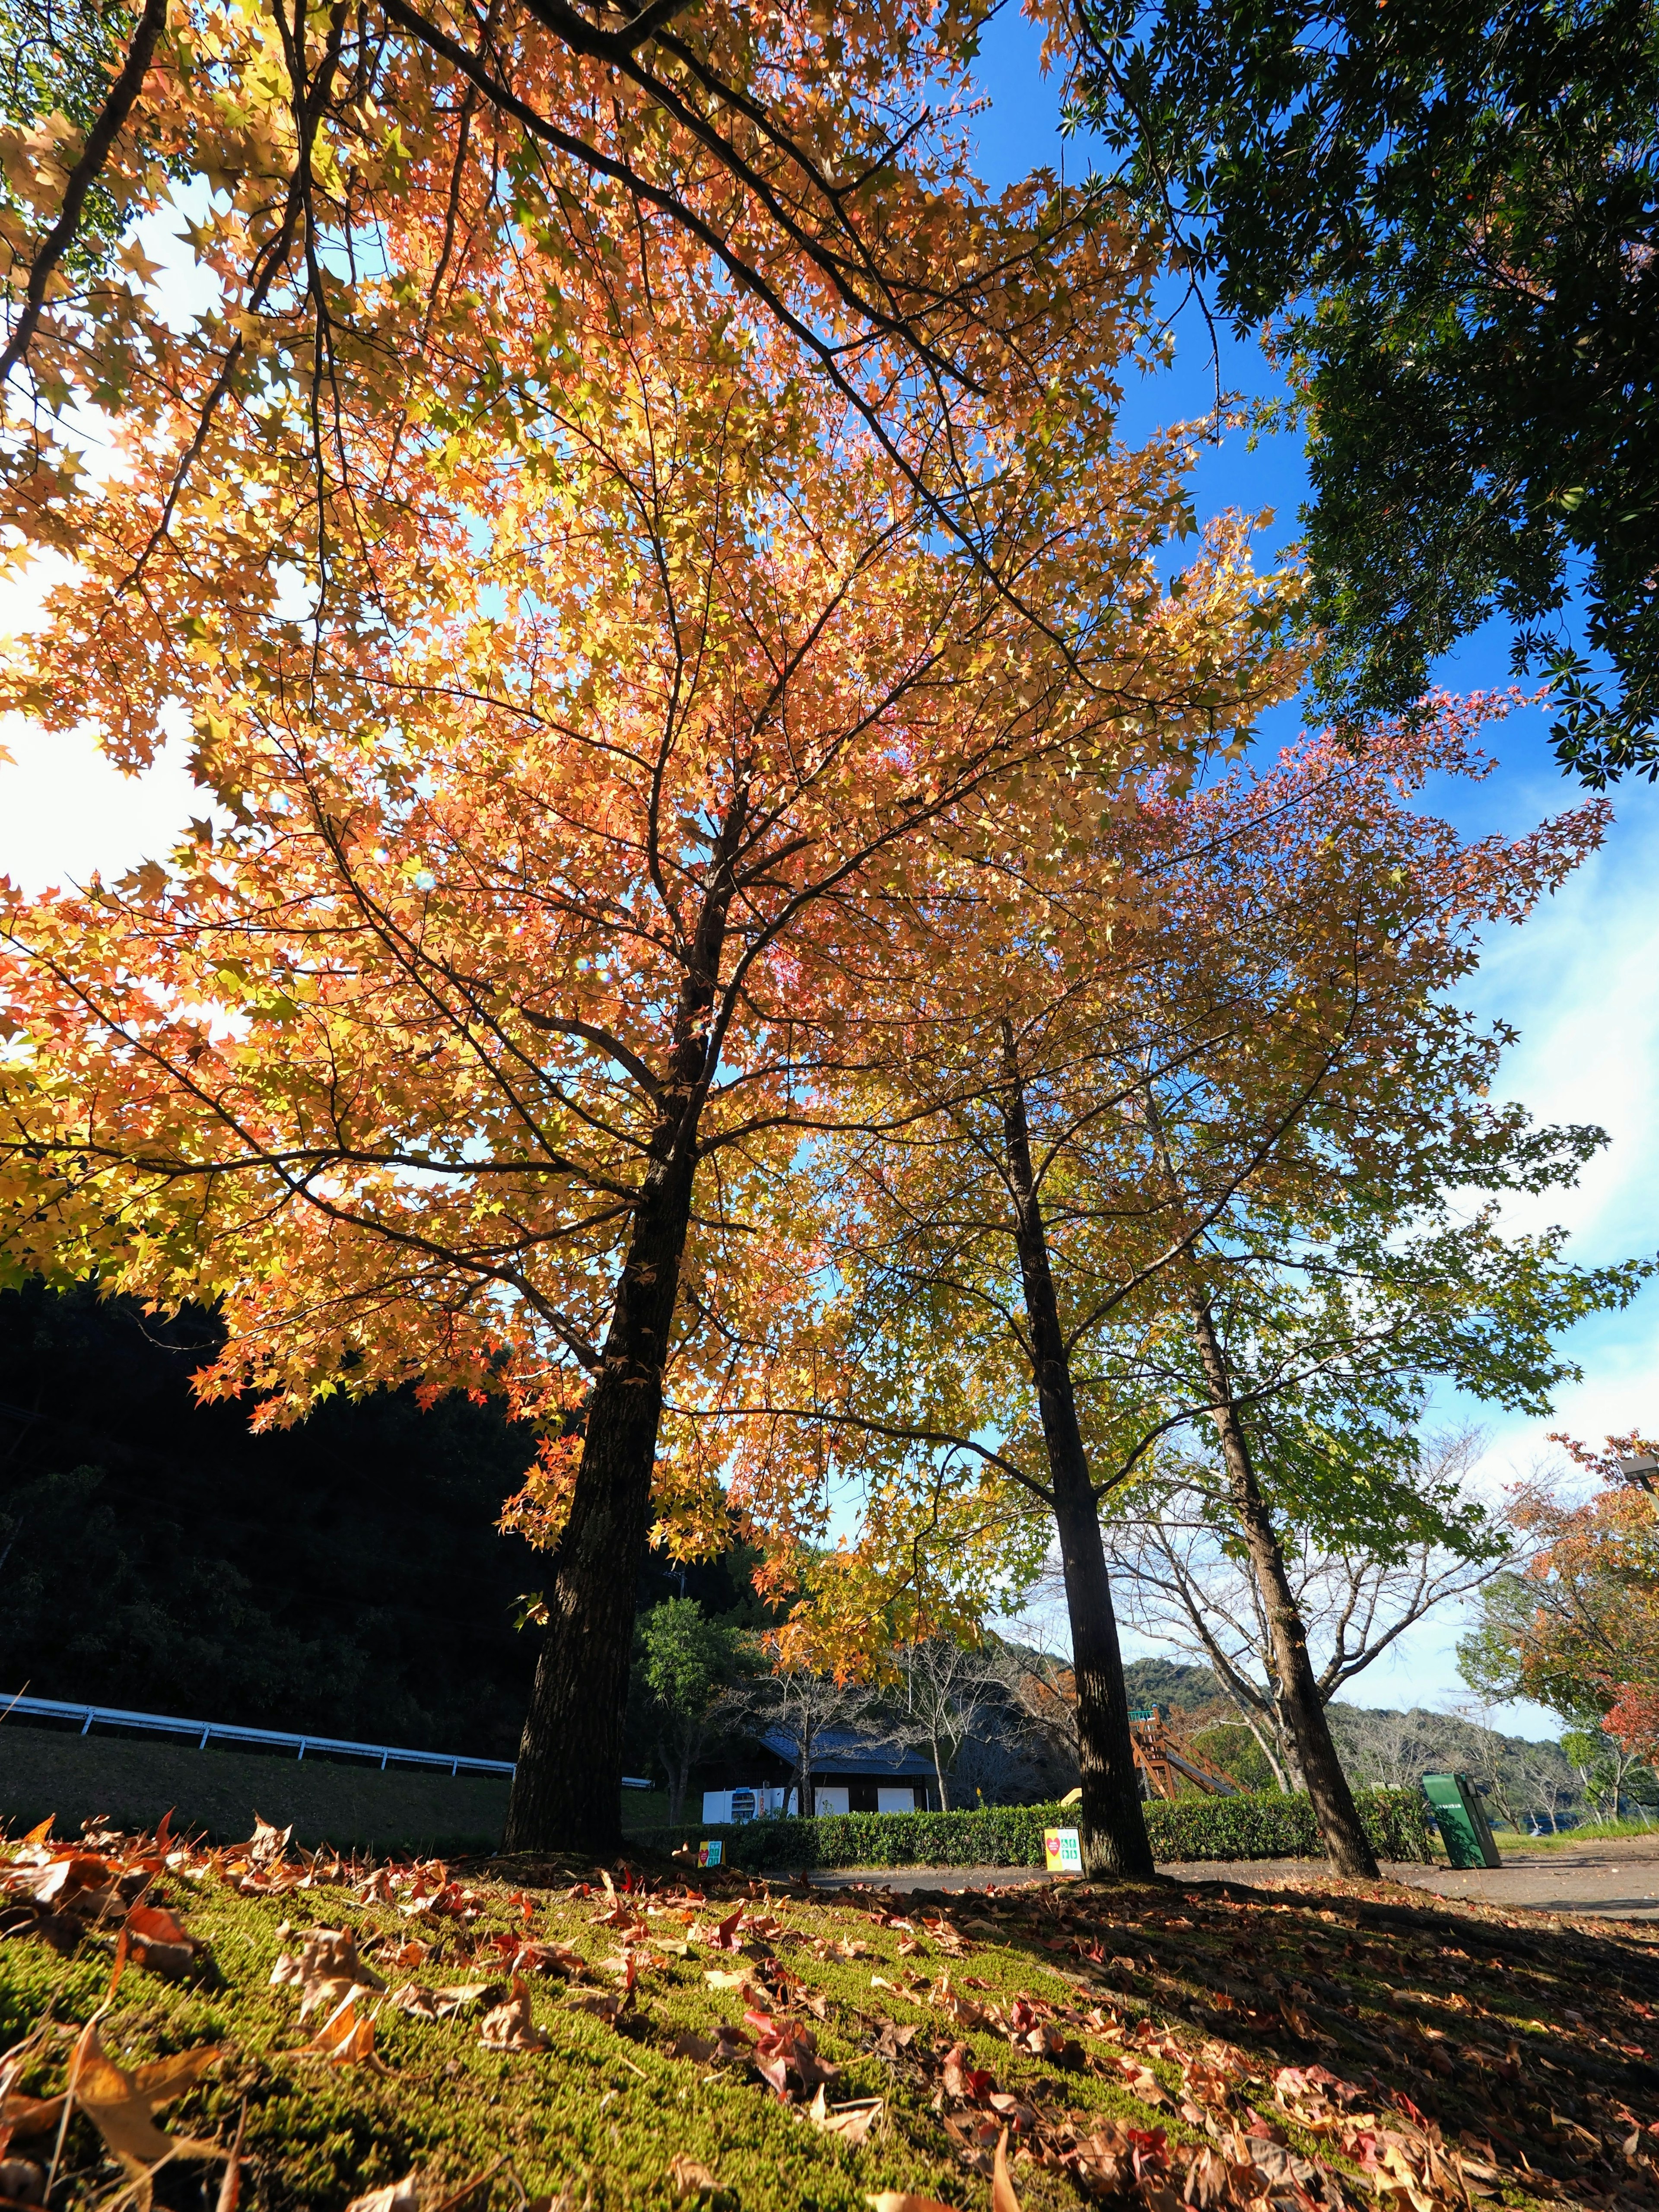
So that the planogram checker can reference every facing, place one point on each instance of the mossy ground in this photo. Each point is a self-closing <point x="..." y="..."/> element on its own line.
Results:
<point x="1533" y="2045"/>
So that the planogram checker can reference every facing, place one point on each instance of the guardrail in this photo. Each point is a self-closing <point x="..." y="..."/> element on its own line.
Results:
<point x="275" y="1739"/>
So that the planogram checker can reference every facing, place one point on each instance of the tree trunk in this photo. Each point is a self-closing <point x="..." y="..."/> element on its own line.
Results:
<point x="938" y="1769"/>
<point x="1346" y="1841"/>
<point x="1113" y="1828"/>
<point x="679" y="1778"/>
<point x="567" y="1786"/>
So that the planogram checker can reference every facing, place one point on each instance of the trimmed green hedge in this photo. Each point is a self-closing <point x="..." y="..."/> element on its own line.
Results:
<point x="1249" y="1826"/>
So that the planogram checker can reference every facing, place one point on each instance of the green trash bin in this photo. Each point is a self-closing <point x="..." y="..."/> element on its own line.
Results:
<point x="1461" y="1820"/>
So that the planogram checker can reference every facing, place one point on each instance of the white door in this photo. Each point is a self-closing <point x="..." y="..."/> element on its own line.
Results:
<point x="833" y="1800"/>
<point x="895" y="1800"/>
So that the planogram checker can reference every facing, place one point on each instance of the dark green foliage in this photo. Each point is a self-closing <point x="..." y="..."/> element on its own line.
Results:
<point x="1449" y="213"/>
<point x="345" y="1576"/>
<point x="1228" y="1748"/>
<point x="1243" y="1828"/>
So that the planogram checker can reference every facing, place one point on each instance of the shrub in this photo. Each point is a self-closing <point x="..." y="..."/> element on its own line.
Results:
<point x="1249" y="1826"/>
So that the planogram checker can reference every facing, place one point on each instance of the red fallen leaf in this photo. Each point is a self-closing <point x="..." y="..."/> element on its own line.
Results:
<point x="1361" y="2146"/>
<point x="773" y="2066"/>
<point x="725" y="1936"/>
<point x="963" y="2079"/>
<point x="1150" y="2149"/>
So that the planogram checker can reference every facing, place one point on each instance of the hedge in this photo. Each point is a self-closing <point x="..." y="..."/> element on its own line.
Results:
<point x="1249" y="1826"/>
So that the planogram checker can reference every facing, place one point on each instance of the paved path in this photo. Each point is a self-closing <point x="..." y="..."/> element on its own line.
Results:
<point x="1618" y="1879"/>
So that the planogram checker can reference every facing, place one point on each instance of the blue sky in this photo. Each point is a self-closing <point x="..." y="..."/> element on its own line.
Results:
<point x="1577" y="981"/>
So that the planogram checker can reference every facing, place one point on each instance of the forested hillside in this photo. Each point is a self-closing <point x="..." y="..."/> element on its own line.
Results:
<point x="346" y="1575"/>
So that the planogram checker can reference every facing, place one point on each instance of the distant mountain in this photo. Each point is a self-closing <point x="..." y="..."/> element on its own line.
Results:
<point x="1167" y="1682"/>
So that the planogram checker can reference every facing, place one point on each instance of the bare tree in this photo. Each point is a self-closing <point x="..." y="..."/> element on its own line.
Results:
<point x="1185" y="1583"/>
<point x="945" y="1691"/>
<point x="803" y="1706"/>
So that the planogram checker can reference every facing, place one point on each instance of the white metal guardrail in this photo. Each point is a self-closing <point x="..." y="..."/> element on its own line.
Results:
<point x="275" y="1739"/>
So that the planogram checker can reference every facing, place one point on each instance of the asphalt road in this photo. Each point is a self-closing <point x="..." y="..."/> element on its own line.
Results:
<point x="1617" y="1880"/>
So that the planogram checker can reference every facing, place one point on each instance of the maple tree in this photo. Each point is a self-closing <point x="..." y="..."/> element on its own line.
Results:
<point x="369" y="171"/>
<point x="571" y="749"/>
<point x="1578" y="1629"/>
<point x="1225" y="1025"/>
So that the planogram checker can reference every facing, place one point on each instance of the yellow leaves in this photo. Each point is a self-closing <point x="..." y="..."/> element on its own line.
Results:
<point x="344" y="2039"/>
<point x="120" y="2103"/>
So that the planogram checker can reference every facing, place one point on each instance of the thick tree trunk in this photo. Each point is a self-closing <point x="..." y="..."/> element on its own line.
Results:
<point x="567" y="1788"/>
<point x="1298" y="1700"/>
<point x="1113" y="1828"/>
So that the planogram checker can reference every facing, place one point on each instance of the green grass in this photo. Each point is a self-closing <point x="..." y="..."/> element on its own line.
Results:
<point x="1518" y="2042"/>
<point x="1590" y="1832"/>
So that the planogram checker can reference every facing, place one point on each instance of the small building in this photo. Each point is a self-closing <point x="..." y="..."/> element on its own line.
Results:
<point x="850" y="1774"/>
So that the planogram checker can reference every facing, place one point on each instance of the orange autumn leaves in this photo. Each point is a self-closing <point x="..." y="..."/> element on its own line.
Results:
<point x="567" y="771"/>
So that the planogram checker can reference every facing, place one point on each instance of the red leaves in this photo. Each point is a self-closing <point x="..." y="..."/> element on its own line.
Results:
<point x="963" y="2079"/>
<point x="785" y="2047"/>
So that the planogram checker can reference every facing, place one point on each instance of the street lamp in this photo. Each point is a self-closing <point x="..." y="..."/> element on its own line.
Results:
<point x="1642" y="1473"/>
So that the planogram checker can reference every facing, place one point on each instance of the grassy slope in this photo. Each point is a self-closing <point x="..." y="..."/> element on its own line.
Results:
<point x="1465" y="2015"/>
<point x="133" y="1781"/>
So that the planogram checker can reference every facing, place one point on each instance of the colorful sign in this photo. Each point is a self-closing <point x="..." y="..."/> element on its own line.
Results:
<point x="1062" y="1851"/>
<point x="710" y="1854"/>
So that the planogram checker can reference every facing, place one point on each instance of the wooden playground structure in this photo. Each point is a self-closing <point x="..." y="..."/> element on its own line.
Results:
<point x="1166" y="1759"/>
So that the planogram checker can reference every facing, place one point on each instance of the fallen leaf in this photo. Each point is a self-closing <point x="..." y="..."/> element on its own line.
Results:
<point x="269" y="1844"/>
<point x="690" y="2044"/>
<point x="689" y="2177"/>
<point x="396" y="2197"/>
<point x="326" y="1969"/>
<point x="510" y="2026"/>
<point x="851" y="2122"/>
<point x="230" y="2187"/>
<point x="1003" y="2198"/>
<point x="120" y="2110"/>
<point x="596" y="2001"/>
<point x="900" y="2200"/>
<point x="962" y="2078"/>
<point x="444" y="2003"/>
<point x="25" y="2117"/>
<point x="344" y="2039"/>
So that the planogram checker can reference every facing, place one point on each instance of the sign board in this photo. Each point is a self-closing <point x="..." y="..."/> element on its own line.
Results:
<point x="1062" y="1853"/>
<point x="710" y="1854"/>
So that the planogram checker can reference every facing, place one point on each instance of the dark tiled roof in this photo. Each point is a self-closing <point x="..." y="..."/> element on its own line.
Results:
<point x="838" y="1751"/>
